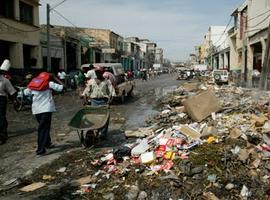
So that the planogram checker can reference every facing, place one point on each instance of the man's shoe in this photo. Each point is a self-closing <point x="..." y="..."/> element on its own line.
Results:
<point x="3" y="139"/>
<point x="42" y="153"/>
<point x="51" y="146"/>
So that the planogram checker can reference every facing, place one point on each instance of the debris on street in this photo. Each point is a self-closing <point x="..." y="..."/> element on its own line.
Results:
<point x="213" y="144"/>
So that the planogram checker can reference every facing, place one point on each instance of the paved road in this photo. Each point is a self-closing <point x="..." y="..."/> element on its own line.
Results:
<point x="18" y="155"/>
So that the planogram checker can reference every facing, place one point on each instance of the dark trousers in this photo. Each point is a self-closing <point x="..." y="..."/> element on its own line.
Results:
<point x="44" y="138"/>
<point x="102" y="102"/>
<point x="3" y="119"/>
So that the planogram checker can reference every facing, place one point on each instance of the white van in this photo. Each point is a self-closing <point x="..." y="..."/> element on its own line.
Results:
<point x="220" y="76"/>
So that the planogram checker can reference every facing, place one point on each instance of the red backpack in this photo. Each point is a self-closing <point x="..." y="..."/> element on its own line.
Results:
<point x="40" y="83"/>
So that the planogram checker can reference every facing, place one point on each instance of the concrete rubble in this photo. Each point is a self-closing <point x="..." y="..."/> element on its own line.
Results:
<point x="208" y="142"/>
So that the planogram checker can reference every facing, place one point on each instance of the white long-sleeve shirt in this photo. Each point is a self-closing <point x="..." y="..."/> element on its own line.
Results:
<point x="43" y="100"/>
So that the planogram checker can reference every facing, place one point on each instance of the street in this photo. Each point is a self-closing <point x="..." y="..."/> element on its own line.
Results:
<point x="134" y="100"/>
<point x="18" y="156"/>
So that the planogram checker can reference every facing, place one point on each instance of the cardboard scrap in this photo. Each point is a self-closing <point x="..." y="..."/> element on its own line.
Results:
<point x="258" y="121"/>
<point x="202" y="105"/>
<point x="140" y="133"/>
<point x="84" y="180"/>
<point x="244" y="154"/>
<point x="235" y="133"/>
<point x="32" y="187"/>
<point x="190" y="132"/>
<point x="189" y="87"/>
<point x="210" y="196"/>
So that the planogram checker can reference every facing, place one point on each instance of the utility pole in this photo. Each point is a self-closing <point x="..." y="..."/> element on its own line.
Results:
<point x="266" y="62"/>
<point x="49" y="62"/>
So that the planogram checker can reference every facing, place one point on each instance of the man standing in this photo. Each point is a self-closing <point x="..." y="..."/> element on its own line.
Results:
<point x="43" y="106"/>
<point x="99" y="91"/>
<point x="6" y="89"/>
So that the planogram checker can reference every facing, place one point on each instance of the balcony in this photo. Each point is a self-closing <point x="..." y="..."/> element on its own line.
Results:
<point x="232" y="32"/>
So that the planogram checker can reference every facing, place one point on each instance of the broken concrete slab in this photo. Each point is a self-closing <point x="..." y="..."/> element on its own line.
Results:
<point x="202" y="105"/>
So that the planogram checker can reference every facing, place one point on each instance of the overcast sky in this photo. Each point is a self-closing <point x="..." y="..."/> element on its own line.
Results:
<point x="175" y="25"/>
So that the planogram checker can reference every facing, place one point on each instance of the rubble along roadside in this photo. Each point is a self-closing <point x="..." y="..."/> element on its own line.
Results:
<point x="208" y="142"/>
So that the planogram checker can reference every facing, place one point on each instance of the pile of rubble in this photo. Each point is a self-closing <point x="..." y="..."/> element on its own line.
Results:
<point x="217" y="137"/>
<point x="208" y="142"/>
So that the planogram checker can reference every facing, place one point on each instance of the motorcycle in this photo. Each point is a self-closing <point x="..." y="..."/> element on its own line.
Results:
<point x="22" y="100"/>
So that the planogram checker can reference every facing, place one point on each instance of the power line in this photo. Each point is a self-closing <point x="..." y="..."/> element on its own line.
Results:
<point x="259" y="23"/>
<point x="224" y="30"/>
<point x="66" y="19"/>
<point x="258" y="15"/>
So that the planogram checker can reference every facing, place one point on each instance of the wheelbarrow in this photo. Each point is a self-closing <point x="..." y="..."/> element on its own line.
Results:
<point x="88" y="122"/>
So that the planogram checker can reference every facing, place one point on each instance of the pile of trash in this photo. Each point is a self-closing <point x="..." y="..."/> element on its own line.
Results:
<point x="207" y="142"/>
<point x="212" y="132"/>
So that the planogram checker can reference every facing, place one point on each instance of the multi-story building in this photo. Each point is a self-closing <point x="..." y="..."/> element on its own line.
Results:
<point x="112" y="43"/>
<point x="238" y="44"/>
<point x="159" y="56"/>
<point x="248" y="39"/>
<point x="131" y="57"/>
<point x="257" y="23"/>
<point x="20" y="34"/>
<point x="57" y="51"/>
<point x="150" y="53"/>
<point x="215" y="45"/>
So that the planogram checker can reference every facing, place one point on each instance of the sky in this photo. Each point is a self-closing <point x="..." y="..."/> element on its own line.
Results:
<point x="177" y="26"/>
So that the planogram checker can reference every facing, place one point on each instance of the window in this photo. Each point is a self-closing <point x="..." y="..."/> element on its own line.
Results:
<point x="7" y="8"/>
<point x="26" y="13"/>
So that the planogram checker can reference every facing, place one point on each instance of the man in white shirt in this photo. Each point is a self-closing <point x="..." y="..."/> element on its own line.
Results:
<point x="6" y="89"/>
<point x="42" y="107"/>
<point x="91" y="74"/>
<point x="62" y="75"/>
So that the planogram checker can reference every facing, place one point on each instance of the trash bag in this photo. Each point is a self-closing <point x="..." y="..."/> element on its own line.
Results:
<point x="121" y="152"/>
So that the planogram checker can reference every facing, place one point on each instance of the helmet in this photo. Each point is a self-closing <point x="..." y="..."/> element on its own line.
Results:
<point x="5" y="66"/>
<point x="99" y="69"/>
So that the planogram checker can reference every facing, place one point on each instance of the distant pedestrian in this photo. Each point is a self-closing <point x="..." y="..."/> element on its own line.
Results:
<point x="6" y="89"/>
<point x="129" y="75"/>
<point x="81" y="80"/>
<point x="109" y="76"/>
<point x="62" y="75"/>
<point x="91" y="73"/>
<point x="43" y="106"/>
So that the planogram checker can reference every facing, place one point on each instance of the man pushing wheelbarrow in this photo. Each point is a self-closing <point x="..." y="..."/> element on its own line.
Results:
<point x="94" y="118"/>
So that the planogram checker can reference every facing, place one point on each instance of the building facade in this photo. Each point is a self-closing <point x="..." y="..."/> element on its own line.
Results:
<point x="110" y="42"/>
<point x="20" y="34"/>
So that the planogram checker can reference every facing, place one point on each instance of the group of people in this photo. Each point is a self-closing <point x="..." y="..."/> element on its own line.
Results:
<point x="98" y="88"/>
<point x="40" y="88"/>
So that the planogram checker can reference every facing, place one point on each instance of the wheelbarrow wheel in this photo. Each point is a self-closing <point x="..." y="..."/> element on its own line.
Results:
<point x="89" y="139"/>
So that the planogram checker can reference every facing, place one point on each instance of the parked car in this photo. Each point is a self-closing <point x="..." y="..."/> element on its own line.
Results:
<point x="124" y="86"/>
<point x="220" y="76"/>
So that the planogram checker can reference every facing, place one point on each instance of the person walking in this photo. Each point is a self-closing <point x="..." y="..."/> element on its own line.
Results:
<point x="6" y="89"/>
<point x="91" y="73"/>
<point x="99" y="91"/>
<point x="43" y="106"/>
